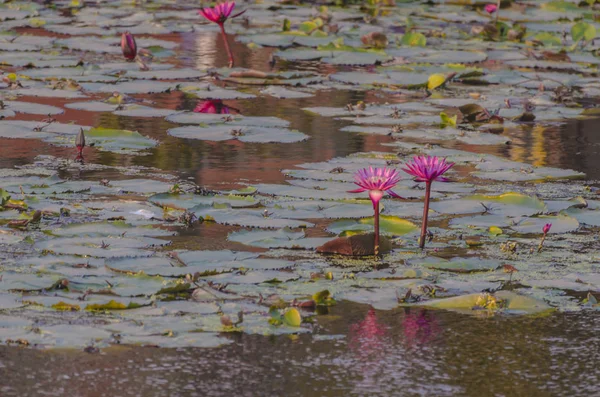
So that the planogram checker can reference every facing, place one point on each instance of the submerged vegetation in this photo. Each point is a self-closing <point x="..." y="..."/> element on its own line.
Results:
<point x="217" y="200"/>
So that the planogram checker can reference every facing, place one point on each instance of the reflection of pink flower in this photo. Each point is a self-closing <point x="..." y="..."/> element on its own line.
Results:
<point x="490" y="8"/>
<point x="367" y="335"/>
<point x="219" y="14"/>
<point x="419" y="327"/>
<point x="212" y="107"/>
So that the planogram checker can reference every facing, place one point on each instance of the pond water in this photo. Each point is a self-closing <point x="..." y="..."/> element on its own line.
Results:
<point x="115" y="292"/>
<point x="384" y="353"/>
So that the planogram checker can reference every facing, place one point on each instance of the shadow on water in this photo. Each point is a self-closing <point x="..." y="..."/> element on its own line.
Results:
<point x="404" y="352"/>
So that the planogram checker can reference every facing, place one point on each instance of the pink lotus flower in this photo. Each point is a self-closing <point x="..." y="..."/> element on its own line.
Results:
<point x="211" y="107"/>
<point x="427" y="169"/>
<point x="377" y="182"/>
<point x="128" y="46"/>
<point x="219" y="14"/>
<point x="490" y="8"/>
<point x="546" y="228"/>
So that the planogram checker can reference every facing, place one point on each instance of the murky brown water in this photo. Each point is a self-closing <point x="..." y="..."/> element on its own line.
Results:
<point x="402" y="352"/>
<point x="405" y="352"/>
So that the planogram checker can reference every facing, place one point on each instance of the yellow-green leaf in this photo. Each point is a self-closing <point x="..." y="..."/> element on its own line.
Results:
<point x="414" y="39"/>
<point x="435" y="81"/>
<point x="65" y="306"/>
<point x="495" y="230"/>
<point x="292" y="318"/>
<point x="447" y="120"/>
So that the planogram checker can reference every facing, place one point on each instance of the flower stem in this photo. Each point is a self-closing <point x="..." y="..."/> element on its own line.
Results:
<point x="227" y="48"/>
<point x="425" y="214"/>
<point x="542" y="243"/>
<point x="498" y="10"/>
<point x="376" y="250"/>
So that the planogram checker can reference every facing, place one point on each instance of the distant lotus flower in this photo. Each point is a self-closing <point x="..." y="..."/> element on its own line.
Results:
<point x="546" y="228"/>
<point x="211" y="107"/>
<point x="490" y="8"/>
<point x="377" y="181"/>
<point x="545" y="231"/>
<point x="80" y="144"/>
<point x="427" y="169"/>
<point x="128" y="46"/>
<point x="219" y="15"/>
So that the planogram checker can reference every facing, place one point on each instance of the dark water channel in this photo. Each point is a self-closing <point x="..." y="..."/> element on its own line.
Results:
<point x="357" y="351"/>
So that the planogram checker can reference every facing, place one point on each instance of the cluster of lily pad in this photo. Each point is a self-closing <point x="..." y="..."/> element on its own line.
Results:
<point x="99" y="259"/>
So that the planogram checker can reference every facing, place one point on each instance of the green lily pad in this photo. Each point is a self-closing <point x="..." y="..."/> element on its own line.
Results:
<point x="389" y="225"/>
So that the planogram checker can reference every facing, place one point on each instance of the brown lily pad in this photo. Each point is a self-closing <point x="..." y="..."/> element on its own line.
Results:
<point x="356" y="245"/>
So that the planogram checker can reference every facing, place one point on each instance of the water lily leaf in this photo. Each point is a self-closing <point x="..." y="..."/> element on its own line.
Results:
<point x="414" y="39"/>
<point x="9" y="301"/>
<point x="560" y="224"/>
<point x="292" y="317"/>
<point x="100" y="247"/>
<point x="583" y="31"/>
<point x="281" y="238"/>
<point x="111" y="140"/>
<point x="187" y="201"/>
<point x="447" y="120"/>
<point x="244" y="134"/>
<point x="458" y="265"/>
<point x="512" y="303"/>
<point x="508" y="204"/>
<point x="111" y="305"/>
<point x="389" y="225"/>
<point x="435" y="80"/>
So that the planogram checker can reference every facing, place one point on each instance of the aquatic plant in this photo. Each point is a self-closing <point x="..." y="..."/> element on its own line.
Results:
<point x="545" y="231"/>
<point x="128" y="46"/>
<point x="80" y="144"/>
<point x="377" y="181"/>
<point x="219" y="14"/>
<point x="212" y="107"/>
<point x="427" y="169"/>
<point x="490" y="8"/>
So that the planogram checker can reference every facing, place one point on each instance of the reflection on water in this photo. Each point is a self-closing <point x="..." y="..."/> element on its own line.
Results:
<point x="387" y="353"/>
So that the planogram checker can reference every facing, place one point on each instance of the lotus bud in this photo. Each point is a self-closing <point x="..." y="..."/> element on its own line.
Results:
<point x="80" y="140"/>
<point x="128" y="46"/>
<point x="546" y="228"/>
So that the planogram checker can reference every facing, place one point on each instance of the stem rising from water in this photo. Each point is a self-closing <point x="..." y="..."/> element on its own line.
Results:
<point x="376" y="250"/>
<point x="227" y="48"/>
<point x="425" y="214"/>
